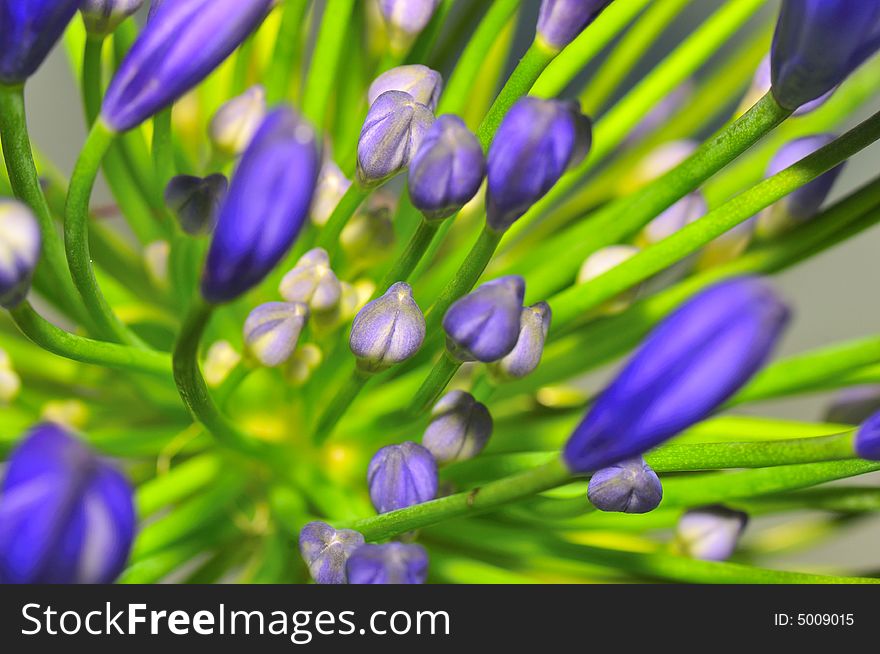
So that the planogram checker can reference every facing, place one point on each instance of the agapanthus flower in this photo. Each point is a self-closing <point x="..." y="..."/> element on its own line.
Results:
<point x="312" y="281"/>
<point x="267" y="204"/>
<point x="178" y="47"/>
<point x="20" y="243"/>
<point x="406" y="19"/>
<point x="630" y="486"/>
<point x="867" y="441"/>
<point x="236" y="121"/>
<point x="537" y="141"/>
<point x="710" y="533"/>
<point x="534" y="324"/>
<point x="761" y="84"/>
<point x="400" y="476"/>
<point x="689" y="365"/>
<point x="561" y="21"/>
<point x="460" y="428"/>
<point x="422" y="83"/>
<point x="391" y="563"/>
<point x="389" y="330"/>
<point x="853" y="405"/>
<point x="327" y="550"/>
<point x="101" y="17"/>
<point x="66" y="516"/>
<point x="484" y="324"/>
<point x="272" y="331"/>
<point x="196" y="201"/>
<point x="28" y="31"/>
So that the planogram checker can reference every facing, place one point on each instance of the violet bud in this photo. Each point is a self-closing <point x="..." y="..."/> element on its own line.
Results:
<point x="534" y="323"/>
<point x="537" y="141"/>
<point x="761" y="85"/>
<point x="406" y="19"/>
<point x="266" y="207"/>
<point x="802" y="204"/>
<point x="389" y="330"/>
<point x="447" y="170"/>
<point x="599" y="263"/>
<point x="867" y="441"/>
<point x="626" y="487"/>
<point x="391" y="563"/>
<point x="272" y="330"/>
<point x="854" y="405"/>
<point x="102" y="17"/>
<point x="817" y="44"/>
<point x="710" y="533"/>
<point x="20" y="243"/>
<point x="391" y="135"/>
<point x="235" y="122"/>
<point x="326" y="551"/>
<point x="66" y="516"/>
<point x="421" y="82"/>
<point x="28" y="31"/>
<point x="460" y="428"/>
<point x="561" y="21"/>
<point x="400" y="476"/>
<point x="181" y="44"/>
<point x="689" y="209"/>
<point x="312" y="282"/>
<point x="332" y="185"/>
<point x="196" y="201"/>
<point x="693" y="361"/>
<point x="484" y="325"/>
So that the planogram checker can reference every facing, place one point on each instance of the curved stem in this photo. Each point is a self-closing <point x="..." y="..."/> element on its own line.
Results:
<point x="91" y="78"/>
<point x="339" y="405"/>
<point x="436" y="381"/>
<point x="415" y="250"/>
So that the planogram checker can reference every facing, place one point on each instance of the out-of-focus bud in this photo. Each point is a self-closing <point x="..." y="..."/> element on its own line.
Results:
<point x="690" y="208"/>
<point x="727" y="247"/>
<point x="66" y="516"/>
<point x="102" y="17"/>
<point x="561" y="21"/>
<point x="537" y="141"/>
<point x="272" y="331"/>
<point x="196" y="201"/>
<point x="332" y="185"/>
<point x="460" y="428"/>
<point x="599" y="263"/>
<point x="817" y="44"/>
<point x="662" y="112"/>
<point x="710" y="533"/>
<point x="657" y="163"/>
<point x="391" y="563"/>
<point x="854" y="405"/>
<point x="220" y="360"/>
<point x="406" y="19"/>
<point x="400" y="476"/>
<point x="369" y="235"/>
<point x="327" y="550"/>
<point x="352" y="299"/>
<point x="693" y="361"/>
<point x="235" y="123"/>
<point x="484" y="325"/>
<point x="156" y="257"/>
<point x="28" y="31"/>
<point x="391" y="135"/>
<point x="312" y="282"/>
<point x="626" y="487"/>
<point x="72" y="414"/>
<point x="303" y="363"/>
<point x="761" y="85"/>
<point x="10" y="382"/>
<point x="867" y="441"/>
<point x="800" y="205"/>
<point x="534" y="323"/>
<point x="448" y="169"/>
<point x="421" y="82"/>
<point x="389" y="330"/>
<point x="20" y="244"/>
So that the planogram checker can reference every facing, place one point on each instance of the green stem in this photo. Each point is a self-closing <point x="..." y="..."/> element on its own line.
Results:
<point x="328" y="237"/>
<point x="286" y="51"/>
<point x="92" y="91"/>
<point x="339" y="405"/>
<point x="415" y="250"/>
<point x="436" y="381"/>
<point x="163" y="150"/>
<point x="180" y="482"/>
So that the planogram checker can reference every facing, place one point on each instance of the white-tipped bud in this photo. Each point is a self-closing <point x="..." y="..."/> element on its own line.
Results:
<point x="236" y="122"/>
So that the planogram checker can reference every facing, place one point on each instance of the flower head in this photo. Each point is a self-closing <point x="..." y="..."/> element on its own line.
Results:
<point x="196" y="201"/>
<point x="626" y="487"/>
<point x="265" y="209"/>
<point x="561" y="21"/>
<point x="406" y="19"/>
<point x="535" y="144"/>
<point x="484" y="325"/>
<point x="20" y="243"/>
<point x="235" y="123"/>
<point x="391" y="563"/>
<point x="272" y="330"/>
<point x="854" y="405"/>
<point x="327" y="550"/>
<point x="692" y="362"/>
<point x="422" y="83"/>
<point x="400" y="476"/>
<point x="867" y="441"/>
<point x="460" y="428"/>
<point x="534" y="323"/>
<point x="332" y="185"/>
<point x="28" y="31"/>
<point x="710" y="533"/>
<point x="447" y="170"/>
<point x="65" y="515"/>
<point x="389" y="330"/>
<point x="102" y="17"/>
<point x="312" y="282"/>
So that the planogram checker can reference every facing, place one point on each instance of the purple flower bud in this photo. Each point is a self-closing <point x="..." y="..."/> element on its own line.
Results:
<point x="626" y="487"/>
<point x="391" y="135"/>
<point x="20" y="243"/>
<point x="406" y="19"/>
<point x="421" y="82"/>
<point x="154" y="7"/>
<point x="561" y="21"/>
<point x="710" y="533"/>
<point x="101" y="17"/>
<point x="235" y="123"/>
<point x="391" y="563"/>
<point x="65" y="515"/>
<point x="326" y="551"/>
<point x="400" y="476"/>
<point x="534" y="323"/>
<point x="196" y="201"/>
<point x="817" y="44"/>
<point x="803" y="203"/>
<point x="692" y="362"/>
<point x="854" y="405"/>
<point x="535" y="144"/>
<point x="312" y="282"/>
<point x="272" y="330"/>
<point x="28" y="31"/>
<point x="761" y="84"/>
<point x="267" y="204"/>
<point x="690" y="208"/>
<point x="460" y="428"/>
<point x="599" y="263"/>
<point x="867" y="442"/>
<point x="447" y="170"/>
<point x="484" y="325"/>
<point x="178" y="47"/>
<point x="389" y="330"/>
<point x="332" y="185"/>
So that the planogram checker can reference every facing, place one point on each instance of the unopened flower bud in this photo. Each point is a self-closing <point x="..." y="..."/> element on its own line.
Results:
<point x="484" y="325"/>
<point x="20" y="244"/>
<point x="156" y="257"/>
<point x="303" y="363"/>
<point x="389" y="330"/>
<point x="28" y="31"/>
<point x="235" y="123"/>
<point x="400" y="476"/>
<point x="626" y="487"/>
<point x="326" y="551"/>
<point x="460" y="428"/>
<point x="599" y="263"/>
<point x="196" y="201"/>
<point x="854" y="405"/>
<point x="332" y="185"/>
<point x="421" y="82"/>
<point x="272" y="331"/>
<point x="534" y="323"/>
<point x="220" y="360"/>
<point x="406" y="19"/>
<point x="761" y="85"/>
<point x="867" y="441"/>
<point x="312" y="282"/>
<point x="391" y="563"/>
<point x="710" y="533"/>
<point x="561" y="21"/>
<point x="102" y="17"/>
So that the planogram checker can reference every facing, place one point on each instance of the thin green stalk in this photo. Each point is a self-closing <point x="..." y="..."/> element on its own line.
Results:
<point x="328" y="238"/>
<point x="285" y="54"/>
<point x="92" y="90"/>
<point x="436" y="381"/>
<point x="339" y="405"/>
<point x="180" y="482"/>
<point x="415" y="250"/>
<point x="163" y="150"/>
